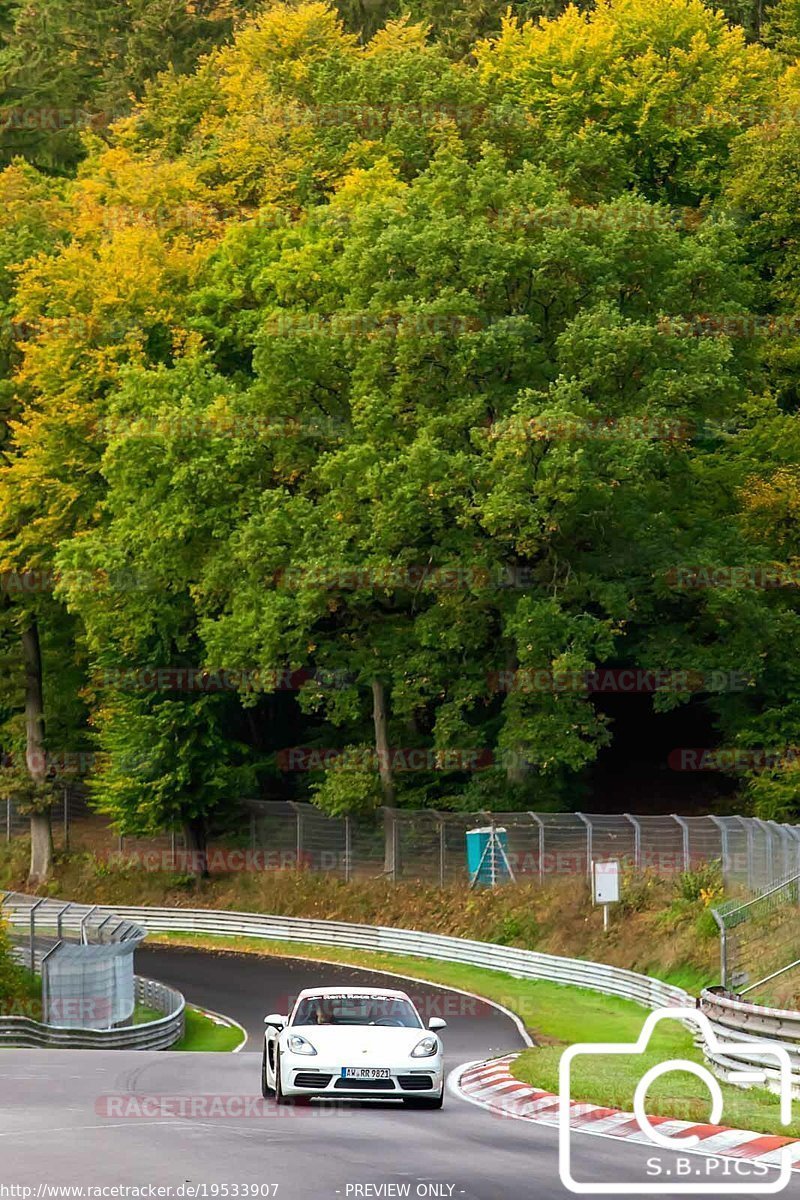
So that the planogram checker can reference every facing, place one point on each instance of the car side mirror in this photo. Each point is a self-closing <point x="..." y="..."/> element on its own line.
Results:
<point x="276" y="1019"/>
<point x="437" y="1023"/>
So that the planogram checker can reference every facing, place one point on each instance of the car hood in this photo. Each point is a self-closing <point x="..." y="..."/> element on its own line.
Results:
<point x="361" y="1045"/>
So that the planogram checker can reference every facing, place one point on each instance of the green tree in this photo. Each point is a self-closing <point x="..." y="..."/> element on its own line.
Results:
<point x="629" y="95"/>
<point x="70" y="68"/>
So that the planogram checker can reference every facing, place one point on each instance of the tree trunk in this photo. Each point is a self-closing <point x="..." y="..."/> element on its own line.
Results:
<point x="515" y="765"/>
<point x="41" y="830"/>
<point x="196" y="835"/>
<point x="390" y="864"/>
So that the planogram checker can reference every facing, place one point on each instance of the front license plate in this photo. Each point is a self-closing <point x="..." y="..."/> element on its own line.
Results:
<point x="365" y="1073"/>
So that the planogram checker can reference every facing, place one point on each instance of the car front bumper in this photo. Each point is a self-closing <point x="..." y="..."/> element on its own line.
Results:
<point x="326" y="1080"/>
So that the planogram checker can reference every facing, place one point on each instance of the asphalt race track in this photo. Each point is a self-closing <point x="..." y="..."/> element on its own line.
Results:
<point x="98" y="1119"/>
<point x="247" y="988"/>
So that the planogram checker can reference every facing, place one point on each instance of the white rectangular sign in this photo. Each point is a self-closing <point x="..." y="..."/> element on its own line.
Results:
<point x="605" y="876"/>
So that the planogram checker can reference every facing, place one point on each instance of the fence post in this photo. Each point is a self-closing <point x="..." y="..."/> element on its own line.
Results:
<point x="102" y="925"/>
<point x="726" y="858"/>
<point x="589" y="842"/>
<point x="348" y="847"/>
<point x="782" y="835"/>
<point x="60" y="919"/>
<point x="172" y="847"/>
<point x="540" y="824"/>
<point x="794" y="838"/>
<point x="33" y="932"/>
<point x="685" y="831"/>
<point x="637" y="842"/>
<point x="748" y="829"/>
<point x="46" y="1014"/>
<point x="8" y="819"/>
<point x="66" y="818"/>
<point x="723" y="947"/>
<point x="442" y="845"/>
<point x="768" y="852"/>
<point x="84" y="920"/>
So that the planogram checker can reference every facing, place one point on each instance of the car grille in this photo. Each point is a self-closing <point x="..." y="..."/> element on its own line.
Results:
<point x="311" y="1079"/>
<point x="415" y="1083"/>
<point x="365" y="1085"/>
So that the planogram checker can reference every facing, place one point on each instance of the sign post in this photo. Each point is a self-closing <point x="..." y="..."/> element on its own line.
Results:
<point x="605" y="886"/>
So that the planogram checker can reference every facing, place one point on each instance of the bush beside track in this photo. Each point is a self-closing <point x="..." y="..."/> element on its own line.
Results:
<point x="20" y="989"/>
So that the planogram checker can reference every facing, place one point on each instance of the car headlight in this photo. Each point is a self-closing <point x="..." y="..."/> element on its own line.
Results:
<point x="426" y="1048"/>
<point x="299" y="1045"/>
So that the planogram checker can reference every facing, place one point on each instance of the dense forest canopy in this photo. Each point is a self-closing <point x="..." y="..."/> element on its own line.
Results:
<point x="387" y="388"/>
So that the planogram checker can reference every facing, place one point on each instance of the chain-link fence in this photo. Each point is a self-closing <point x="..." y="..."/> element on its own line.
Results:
<point x="428" y="845"/>
<point x="760" y="943"/>
<point x="69" y="806"/>
<point x="431" y="846"/>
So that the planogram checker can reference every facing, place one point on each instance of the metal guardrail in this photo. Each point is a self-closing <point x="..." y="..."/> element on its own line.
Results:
<point x="736" y="1020"/>
<point x="46" y="919"/>
<point x="522" y="964"/>
<point x="154" y="1035"/>
<point x="735" y="1016"/>
<point x="40" y="927"/>
<point x="730" y="1017"/>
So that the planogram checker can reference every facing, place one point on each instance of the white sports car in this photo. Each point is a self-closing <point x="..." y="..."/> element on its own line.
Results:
<point x="356" y="1042"/>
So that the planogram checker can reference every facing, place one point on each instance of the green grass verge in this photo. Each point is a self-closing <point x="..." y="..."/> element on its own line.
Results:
<point x="556" y="1017"/>
<point x="201" y="1033"/>
<point x="612" y="1081"/>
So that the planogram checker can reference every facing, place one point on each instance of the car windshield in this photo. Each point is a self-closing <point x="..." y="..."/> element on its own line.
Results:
<point x="357" y="1010"/>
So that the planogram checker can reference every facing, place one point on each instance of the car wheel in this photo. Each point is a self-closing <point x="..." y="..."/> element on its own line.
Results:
<point x="265" y="1088"/>
<point x="424" y="1101"/>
